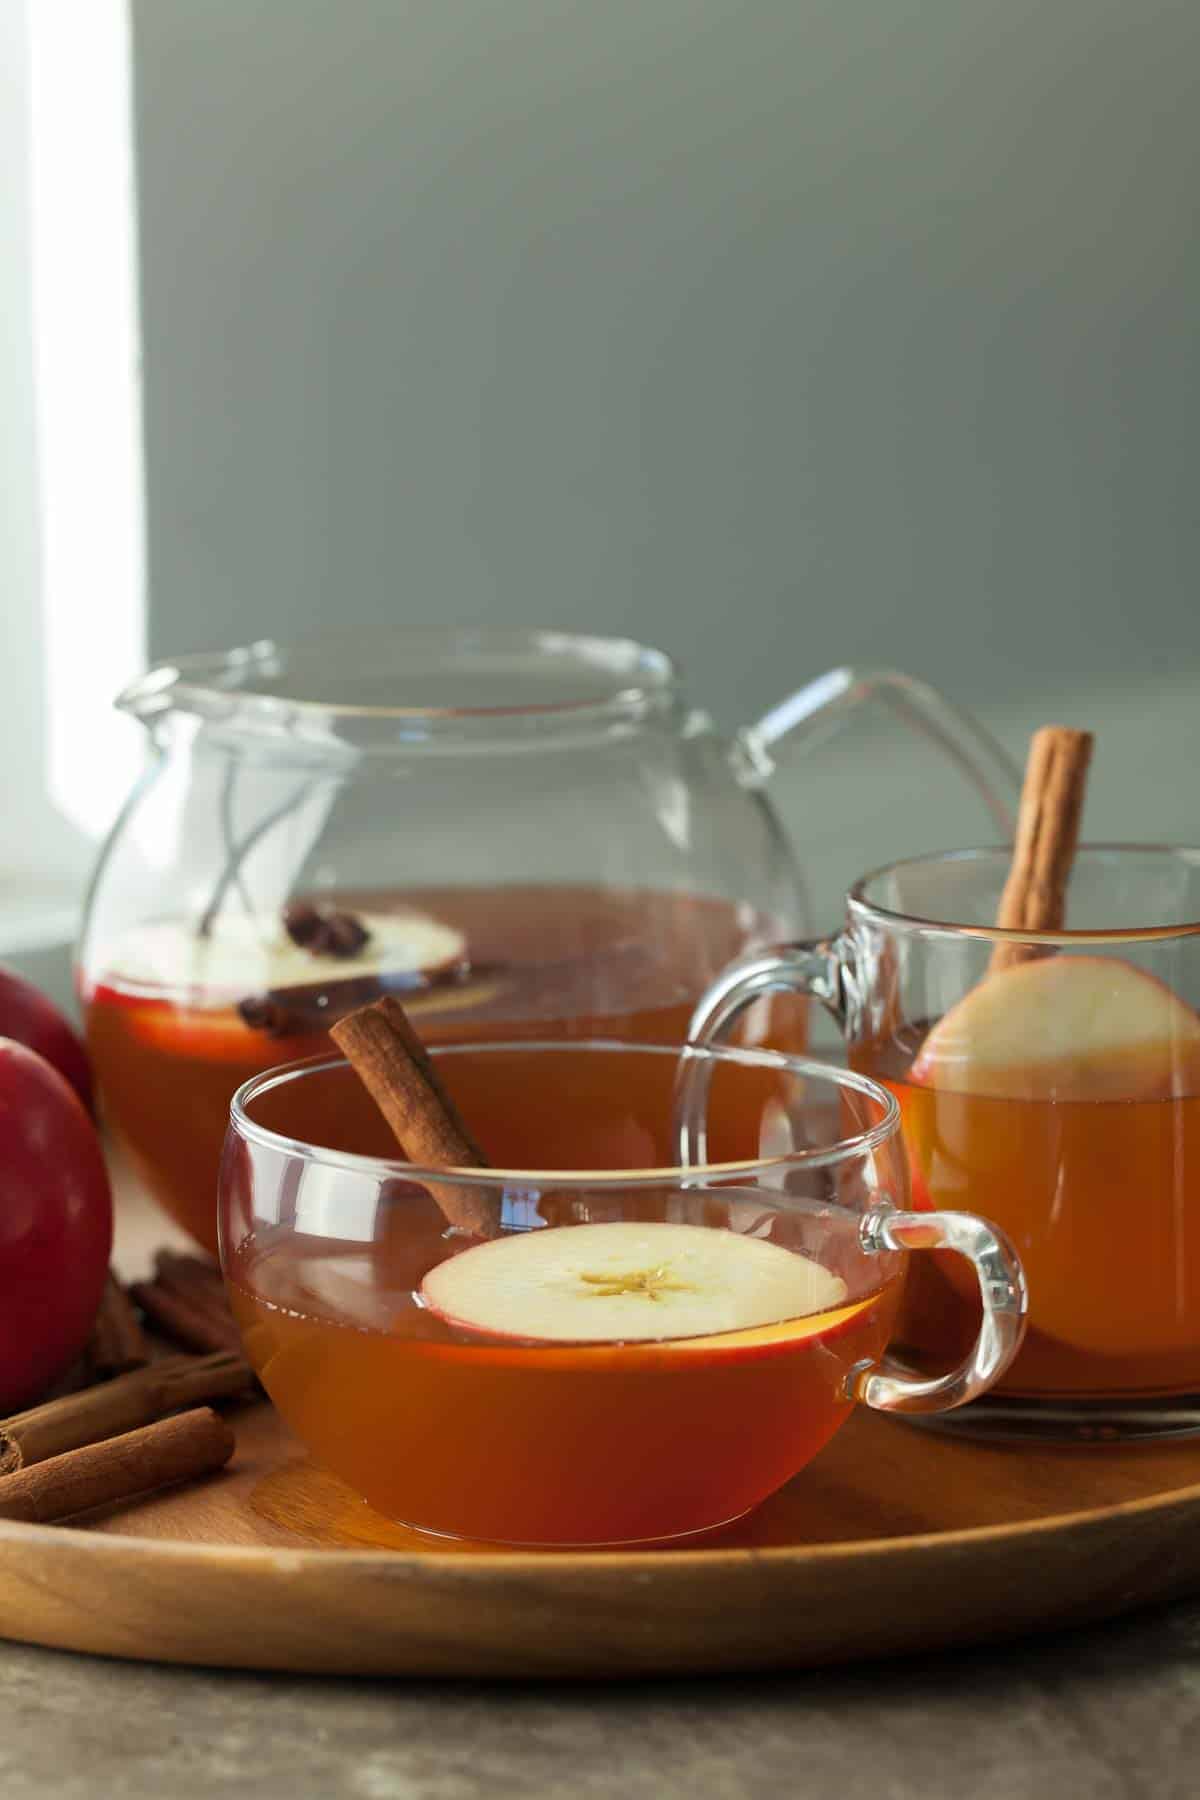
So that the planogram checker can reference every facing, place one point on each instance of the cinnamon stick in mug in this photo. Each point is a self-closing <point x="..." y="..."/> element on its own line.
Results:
<point x="1035" y="894"/>
<point x="390" y="1060"/>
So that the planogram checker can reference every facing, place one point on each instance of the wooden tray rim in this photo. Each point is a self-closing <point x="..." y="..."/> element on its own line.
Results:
<point x="301" y="1558"/>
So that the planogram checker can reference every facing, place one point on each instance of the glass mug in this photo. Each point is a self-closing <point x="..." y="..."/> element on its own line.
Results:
<point x="1054" y="1088"/>
<point x="623" y="1352"/>
<point x="523" y="834"/>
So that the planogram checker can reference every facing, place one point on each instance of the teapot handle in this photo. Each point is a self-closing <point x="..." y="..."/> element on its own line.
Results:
<point x="815" y="709"/>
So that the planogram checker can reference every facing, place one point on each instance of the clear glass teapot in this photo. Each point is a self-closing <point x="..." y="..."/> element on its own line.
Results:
<point x="521" y="834"/>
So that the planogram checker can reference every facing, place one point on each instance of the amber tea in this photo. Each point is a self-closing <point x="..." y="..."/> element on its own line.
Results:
<point x="176" y="1023"/>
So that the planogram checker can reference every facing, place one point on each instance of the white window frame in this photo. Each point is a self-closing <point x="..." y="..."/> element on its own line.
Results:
<point x="72" y="575"/>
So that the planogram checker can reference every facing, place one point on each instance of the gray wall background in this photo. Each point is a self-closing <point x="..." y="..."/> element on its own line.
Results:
<point x="780" y="333"/>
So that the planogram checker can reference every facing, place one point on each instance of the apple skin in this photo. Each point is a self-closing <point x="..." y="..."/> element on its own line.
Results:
<point x="55" y="1225"/>
<point x="752" y="1344"/>
<point x="27" y="1016"/>
<point x="1065" y="1028"/>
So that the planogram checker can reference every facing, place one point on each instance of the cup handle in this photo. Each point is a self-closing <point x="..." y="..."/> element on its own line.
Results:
<point x="820" y="967"/>
<point x="825" y="969"/>
<point x="885" y="1385"/>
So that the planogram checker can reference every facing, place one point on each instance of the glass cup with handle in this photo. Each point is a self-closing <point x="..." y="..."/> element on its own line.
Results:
<point x="1049" y="1081"/>
<point x="586" y="1343"/>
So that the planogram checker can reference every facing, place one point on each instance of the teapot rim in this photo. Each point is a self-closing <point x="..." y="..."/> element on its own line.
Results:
<point x="253" y="684"/>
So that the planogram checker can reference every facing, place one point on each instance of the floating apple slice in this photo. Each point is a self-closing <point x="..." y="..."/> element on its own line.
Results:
<point x="627" y="1283"/>
<point x="1065" y="1028"/>
<point x="252" y="954"/>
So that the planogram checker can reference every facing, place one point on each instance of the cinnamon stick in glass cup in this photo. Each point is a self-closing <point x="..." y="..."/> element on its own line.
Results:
<point x="393" y="1065"/>
<point x="1035" y="893"/>
<point x="1035" y="1014"/>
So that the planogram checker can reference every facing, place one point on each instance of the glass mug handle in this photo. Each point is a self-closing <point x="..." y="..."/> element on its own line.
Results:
<point x="887" y="1385"/>
<point x="819" y="968"/>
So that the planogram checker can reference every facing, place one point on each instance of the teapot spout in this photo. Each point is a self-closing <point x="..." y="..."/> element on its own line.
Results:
<point x="819" y="709"/>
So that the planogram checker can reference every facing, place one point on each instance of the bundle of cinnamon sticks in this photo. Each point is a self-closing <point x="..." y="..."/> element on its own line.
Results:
<point x="138" y="1423"/>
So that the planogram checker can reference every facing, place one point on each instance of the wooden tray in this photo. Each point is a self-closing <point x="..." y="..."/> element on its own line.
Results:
<point x="894" y="1540"/>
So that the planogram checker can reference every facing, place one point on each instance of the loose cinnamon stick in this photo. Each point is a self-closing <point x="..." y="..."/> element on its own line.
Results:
<point x="1034" y="897"/>
<point x="179" y="1449"/>
<point x="198" y="1321"/>
<point x="117" y="1343"/>
<point x="195" y="1277"/>
<point x="392" y="1063"/>
<point x="117" y="1406"/>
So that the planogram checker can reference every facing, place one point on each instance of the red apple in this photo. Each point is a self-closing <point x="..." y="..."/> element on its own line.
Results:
<point x="55" y="1225"/>
<point x="27" y="1016"/>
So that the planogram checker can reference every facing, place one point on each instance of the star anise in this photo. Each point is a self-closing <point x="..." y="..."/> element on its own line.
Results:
<point x="262" y="1013"/>
<point x="324" y="931"/>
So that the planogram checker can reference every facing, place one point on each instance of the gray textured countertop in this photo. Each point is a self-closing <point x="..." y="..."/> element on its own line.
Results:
<point x="1107" y="1714"/>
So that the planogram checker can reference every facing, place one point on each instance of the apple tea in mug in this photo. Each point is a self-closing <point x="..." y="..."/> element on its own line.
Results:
<point x="1049" y="1080"/>
<point x="1062" y="1097"/>
<point x="626" y="1353"/>
<point x="496" y="1397"/>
